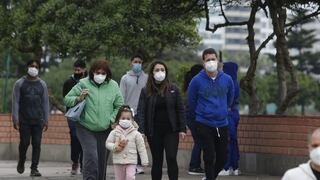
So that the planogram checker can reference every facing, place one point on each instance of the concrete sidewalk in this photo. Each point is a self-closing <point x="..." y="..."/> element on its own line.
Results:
<point x="61" y="171"/>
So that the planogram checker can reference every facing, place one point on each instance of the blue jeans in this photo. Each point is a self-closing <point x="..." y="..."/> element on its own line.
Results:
<point x="76" y="150"/>
<point x="195" y="161"/>
<point x="233" y="149"/>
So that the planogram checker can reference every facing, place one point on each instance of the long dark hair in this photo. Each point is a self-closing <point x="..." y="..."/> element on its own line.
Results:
<point x="123" y="108"/>
<point x="164" y="85"/>
<point x="194" y="70"/>
<point x="100" y="64"/>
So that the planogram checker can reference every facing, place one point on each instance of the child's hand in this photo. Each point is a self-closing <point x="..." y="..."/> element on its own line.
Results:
<point x="118" y="148"/>
<point x="120" y="144"/>
<point x="123" y="143"/>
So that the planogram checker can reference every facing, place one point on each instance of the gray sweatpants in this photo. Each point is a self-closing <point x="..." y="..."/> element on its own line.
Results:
<point x="95" y="154"/>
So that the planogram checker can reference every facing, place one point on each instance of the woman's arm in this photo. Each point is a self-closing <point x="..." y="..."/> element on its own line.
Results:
<point x="141" y="111"/>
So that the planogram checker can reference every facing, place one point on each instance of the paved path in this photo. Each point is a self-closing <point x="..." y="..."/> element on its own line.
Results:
<point x="61" y="171"/>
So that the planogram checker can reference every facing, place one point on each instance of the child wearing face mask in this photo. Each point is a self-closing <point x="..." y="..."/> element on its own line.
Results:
<point x="126" y="142"/>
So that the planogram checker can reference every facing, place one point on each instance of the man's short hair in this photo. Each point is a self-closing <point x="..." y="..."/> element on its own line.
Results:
<point x="136" y="56"/>
<point x="316" y="131"/>
<point x="33" y="61"/>
<point x="79" y="63"/>
<point x="209" y="51"/>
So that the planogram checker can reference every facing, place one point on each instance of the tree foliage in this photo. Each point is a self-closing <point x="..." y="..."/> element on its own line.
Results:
<point x="86" y="29"/>
<point x="302" y="40"/>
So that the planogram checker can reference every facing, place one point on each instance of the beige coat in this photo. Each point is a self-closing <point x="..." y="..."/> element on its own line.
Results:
<point x="135" y="145"/>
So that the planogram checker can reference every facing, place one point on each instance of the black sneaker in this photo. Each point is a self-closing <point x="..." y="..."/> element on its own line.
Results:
<point x="196" y="171"/>
<point x="20" y="167"/>
<point x="35" y="172"/>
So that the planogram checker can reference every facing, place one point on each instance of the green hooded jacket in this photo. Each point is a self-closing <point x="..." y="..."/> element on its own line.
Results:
<point x="102" y="103"/>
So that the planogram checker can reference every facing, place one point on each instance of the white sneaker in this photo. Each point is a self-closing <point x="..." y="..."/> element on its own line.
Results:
<point x="224" y="173"/>
<point x="204" y="178"/>
<point x="139" y="170"/>
<point x="236" y="172"/>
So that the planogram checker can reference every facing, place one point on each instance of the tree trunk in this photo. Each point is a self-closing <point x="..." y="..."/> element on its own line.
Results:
<point x="247" y="83"/>
<point x="37" y="53"/>
<point x="303" y="108"/>
<point x="285" y="95"/>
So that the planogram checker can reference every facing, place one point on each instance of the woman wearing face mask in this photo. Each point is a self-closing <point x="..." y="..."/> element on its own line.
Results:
<point x="162" y="119"/>
<point x="103" y="99"/>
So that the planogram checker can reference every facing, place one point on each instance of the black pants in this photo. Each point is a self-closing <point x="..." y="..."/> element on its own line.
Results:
<point x="168" y="142"/>
<point x="34" y="132"/>
<point x="215" y="141"/>
<point x="76" y="150"/>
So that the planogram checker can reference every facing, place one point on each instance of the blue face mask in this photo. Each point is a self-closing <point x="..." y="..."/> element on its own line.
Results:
<point x="136" y="67"/>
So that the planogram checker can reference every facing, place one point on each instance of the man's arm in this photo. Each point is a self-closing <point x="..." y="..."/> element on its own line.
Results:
<point x="192" y="97"/>
<point x="15" y="101"/>
<point x="66" y="88"/>
<point x="123" y="88"/>
<point x="45" y="100"/>
<point x="230" y="94"/>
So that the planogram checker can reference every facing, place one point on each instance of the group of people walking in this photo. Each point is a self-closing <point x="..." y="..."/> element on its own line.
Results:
<point x="145" y="106"/>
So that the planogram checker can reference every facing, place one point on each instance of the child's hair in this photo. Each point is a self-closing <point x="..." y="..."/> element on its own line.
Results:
<point x="123" y="108"/>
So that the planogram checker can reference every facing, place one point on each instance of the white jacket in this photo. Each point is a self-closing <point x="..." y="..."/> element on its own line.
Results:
<point x="135" y="145"/>
<point x="303" y="172"/>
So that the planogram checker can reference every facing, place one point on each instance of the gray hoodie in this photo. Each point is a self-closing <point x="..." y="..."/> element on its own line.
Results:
<point x="130" y="87"/>
<point x="303" y="172"/>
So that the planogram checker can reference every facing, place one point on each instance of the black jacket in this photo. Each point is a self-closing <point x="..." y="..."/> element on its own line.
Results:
<point x="68" y="85"/>
<point x="175" y="109"/>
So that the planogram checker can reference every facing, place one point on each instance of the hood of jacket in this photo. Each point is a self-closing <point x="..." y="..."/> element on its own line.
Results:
<point x="306" y="168"/>
<point x="231" y="69"/>
<point x="131" y="73"/>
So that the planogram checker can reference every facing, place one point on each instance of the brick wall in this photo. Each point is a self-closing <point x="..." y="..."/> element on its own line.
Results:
<point x="284" y="135"/>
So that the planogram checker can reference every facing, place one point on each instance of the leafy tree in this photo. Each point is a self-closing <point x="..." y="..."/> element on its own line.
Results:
<point x="309" y="89"/>
<point x="86" y="29"/>
<point x="301" y="40"/>
<point x="55" y="78"/>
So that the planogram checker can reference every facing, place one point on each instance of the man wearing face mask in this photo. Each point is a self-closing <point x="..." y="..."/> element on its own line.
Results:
<point x="210" y="93"/>
<point x="79" y="72"/>
<point x="130" y="87"/>
<point x="311" y="169"/>
<point x="30" y="113"/>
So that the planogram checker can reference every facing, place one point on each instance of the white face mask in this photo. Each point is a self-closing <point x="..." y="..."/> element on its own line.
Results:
<point x="315" y="156"/>
<point x="159" y="76"/>
<point x="99" y="78"/>
<point x="211" y="66"/>
<point x="124" y="123"/>
<point x="33" y="72"/>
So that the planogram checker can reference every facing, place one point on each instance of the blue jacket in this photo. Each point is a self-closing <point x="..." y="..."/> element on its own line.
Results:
<point x="209" y="99"/>
<point x="231" y="69"/>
